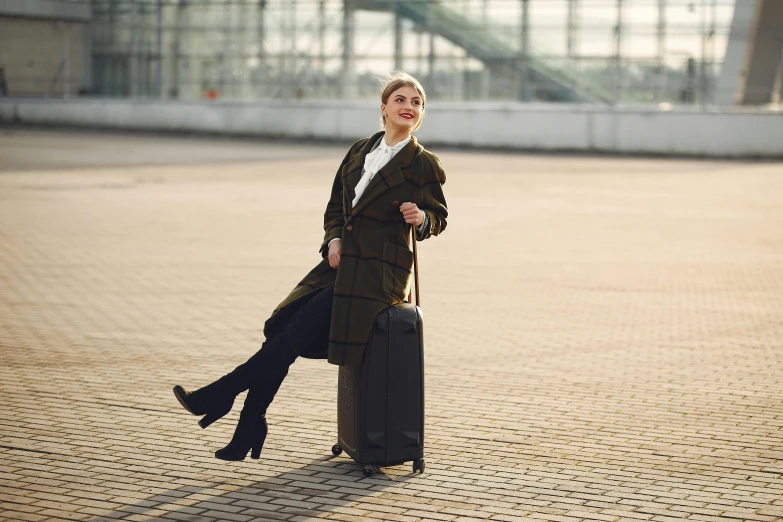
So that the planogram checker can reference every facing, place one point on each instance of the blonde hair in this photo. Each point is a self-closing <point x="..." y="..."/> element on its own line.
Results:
<point x="395" y="81"/>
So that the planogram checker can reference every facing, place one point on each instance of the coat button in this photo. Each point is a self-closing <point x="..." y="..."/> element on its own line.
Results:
<point x="349" y="228"/>
<point x="396" y="203"/>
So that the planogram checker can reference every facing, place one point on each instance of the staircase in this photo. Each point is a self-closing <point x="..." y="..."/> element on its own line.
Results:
<point x="497" y="52"/>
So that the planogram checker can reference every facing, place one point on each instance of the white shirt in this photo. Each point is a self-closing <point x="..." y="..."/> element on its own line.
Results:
<point x="375" y="161"/>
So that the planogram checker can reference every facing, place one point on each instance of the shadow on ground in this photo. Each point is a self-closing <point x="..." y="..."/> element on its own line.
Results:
<point x="274" y="498"/>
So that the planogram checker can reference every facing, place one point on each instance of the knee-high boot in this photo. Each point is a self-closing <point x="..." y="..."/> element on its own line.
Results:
<point x="216" y="399"/>
<point x="252" y="428"/>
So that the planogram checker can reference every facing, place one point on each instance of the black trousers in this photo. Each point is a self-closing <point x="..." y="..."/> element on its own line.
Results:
<point x="266" y="370"/>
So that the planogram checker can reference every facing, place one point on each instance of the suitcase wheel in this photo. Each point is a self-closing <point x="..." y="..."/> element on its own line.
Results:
<point x="418" y="465"/>
<point x="337" y="449"/>
<point x="369" y="470"/>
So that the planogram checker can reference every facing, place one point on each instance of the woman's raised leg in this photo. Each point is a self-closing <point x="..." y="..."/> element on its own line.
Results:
<point x="308" y="324"/>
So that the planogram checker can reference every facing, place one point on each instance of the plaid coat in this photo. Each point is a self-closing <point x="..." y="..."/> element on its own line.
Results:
<point x="376" y="262"/>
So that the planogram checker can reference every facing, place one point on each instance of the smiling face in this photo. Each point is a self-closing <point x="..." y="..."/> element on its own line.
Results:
<point x="403" y="109"/>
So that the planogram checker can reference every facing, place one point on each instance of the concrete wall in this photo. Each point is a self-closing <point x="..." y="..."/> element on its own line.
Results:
<point x="550" y="127"/>
<point x="42" y="57"/>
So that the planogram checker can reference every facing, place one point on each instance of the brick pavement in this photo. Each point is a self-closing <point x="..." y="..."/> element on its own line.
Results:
<point x="603" y="336"/>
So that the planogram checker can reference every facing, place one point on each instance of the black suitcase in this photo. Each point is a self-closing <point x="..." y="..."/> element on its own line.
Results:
<point x="380" y="403"/>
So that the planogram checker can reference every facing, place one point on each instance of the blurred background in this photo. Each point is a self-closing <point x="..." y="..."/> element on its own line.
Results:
<point x="248" y="66"/>
<point x="596" y="51"/>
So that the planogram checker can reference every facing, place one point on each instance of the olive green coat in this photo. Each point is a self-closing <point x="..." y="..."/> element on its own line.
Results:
<point x="376" y="261"/>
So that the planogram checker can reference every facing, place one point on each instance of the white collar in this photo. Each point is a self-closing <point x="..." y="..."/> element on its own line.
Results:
<point x="392" y="148"/>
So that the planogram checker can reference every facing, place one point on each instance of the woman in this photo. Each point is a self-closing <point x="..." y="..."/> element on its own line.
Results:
<point x="385" y="184"/>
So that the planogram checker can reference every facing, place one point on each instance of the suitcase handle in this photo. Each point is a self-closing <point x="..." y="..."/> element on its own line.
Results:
<point x="415" y="269"/>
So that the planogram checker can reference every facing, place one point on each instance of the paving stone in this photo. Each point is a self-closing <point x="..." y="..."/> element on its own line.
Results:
<point x="510" y="518"/>
<point x="13" y="514"/>
<point x="429" y="515"/>
<point x="584" y="515"/>
<point x="603" y="336"/>
<point x="627" y="515"/>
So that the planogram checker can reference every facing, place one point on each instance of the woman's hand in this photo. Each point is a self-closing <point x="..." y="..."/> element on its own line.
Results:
<point x="334" y="253"/>
<point x="412" y="214"/>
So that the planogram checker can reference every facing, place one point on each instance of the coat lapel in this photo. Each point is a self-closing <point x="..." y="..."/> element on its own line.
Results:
<point x="389" y="176"/>
<point x="352" y="172"/>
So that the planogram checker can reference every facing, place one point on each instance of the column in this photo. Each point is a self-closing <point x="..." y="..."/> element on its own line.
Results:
<point x="321" y="81"/>
<point x="397" y="41"/>
<point x="752" y="54"/>
<point x="262" y="76"/>
<point x="348" y="79"/>
<point x="176" y="50"/>
<point x="661" y="55"/>
<point x="134" y="51"/>
<point x="572" y="29"/>
<point x="524" y="90"/>
<point x="618" y="53"/>
<point x="484" y="88"/>
<point x="431" y="62"/>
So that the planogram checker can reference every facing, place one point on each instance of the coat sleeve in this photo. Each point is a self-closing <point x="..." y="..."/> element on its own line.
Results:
<point x="433" y="202"/>
<point x="333" y="216"/>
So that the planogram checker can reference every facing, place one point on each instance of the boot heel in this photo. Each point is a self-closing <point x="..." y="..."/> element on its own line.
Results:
<point x="249" y="434"/>
<point x="208" y="419"/>
<point x="260" y="431"/>
<point x="255" y="452"/>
